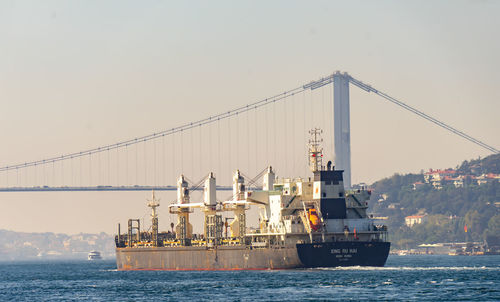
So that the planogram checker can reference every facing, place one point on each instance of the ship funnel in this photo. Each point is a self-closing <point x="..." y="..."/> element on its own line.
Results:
<point x="209" y="192"/>
<point x="182" y="190"/>
<point x="268" y="182"/>
<point x="238" y="186"/>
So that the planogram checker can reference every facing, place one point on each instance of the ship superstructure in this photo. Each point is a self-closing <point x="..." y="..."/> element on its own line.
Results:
<point x="311" y="222"/>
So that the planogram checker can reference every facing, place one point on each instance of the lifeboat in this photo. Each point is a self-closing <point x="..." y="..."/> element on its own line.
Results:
<point x="314" y="219"/>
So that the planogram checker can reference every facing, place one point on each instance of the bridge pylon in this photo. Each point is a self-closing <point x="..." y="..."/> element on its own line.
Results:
<point x="342" y="125"/>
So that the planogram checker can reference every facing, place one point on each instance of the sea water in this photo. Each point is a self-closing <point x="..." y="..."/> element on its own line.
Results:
<point x="407" y="278"/>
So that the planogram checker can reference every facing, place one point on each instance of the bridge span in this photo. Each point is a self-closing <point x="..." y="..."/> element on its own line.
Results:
<point x="271" y="131"/>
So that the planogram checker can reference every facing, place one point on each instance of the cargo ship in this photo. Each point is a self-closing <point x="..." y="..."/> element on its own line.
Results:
<point x="304" y="223"/>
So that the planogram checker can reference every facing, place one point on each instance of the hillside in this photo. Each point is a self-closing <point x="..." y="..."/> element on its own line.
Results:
<point x="447" y="200"/>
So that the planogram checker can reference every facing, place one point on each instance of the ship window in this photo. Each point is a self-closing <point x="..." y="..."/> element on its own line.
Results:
<point x="328" y="182"/>
<point x="341" y="194"/>
<point x="324" y="194"/>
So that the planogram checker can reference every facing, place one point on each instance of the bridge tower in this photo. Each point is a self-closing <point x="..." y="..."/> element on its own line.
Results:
<point x="342" y="125"/>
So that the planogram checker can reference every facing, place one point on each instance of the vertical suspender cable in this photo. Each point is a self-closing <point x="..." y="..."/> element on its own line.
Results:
<point x="286" y="142"/>
<point x="248" y="140"/>
<point x="191" y="134"/>
<point x="274" y="133"/>
<point x="62" y="173"/>
<point x="108" y="168"/>
<point x="255" y="135"/>
<point x="155" y="179"/>
<point x="118" y="166"/>
<point x="237" y="137"/>
<point x="218" y="144"/>
<point x="182" y="151"/>
<point x="323" y="108"/>
<point x="136" y="164"/>
<point x="164" y="162"/>
<point x="80" y="182"/>
<point x="209" y="146"/>
<point x="304" y="129"/>
<point x="266" y="130"/>
<point x="173" y="160"/>
<point x="145" y="165"/>
<point x="90" y="169"/>
<point x="126" y="166"/>
<point x="229" y="145"/>
<point x="200" y="148"/>
<point x="99" y="180"/>
<point x="294" y="137"/>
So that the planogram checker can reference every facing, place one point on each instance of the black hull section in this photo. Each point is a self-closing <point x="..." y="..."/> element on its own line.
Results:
<point x="331" y="254"/>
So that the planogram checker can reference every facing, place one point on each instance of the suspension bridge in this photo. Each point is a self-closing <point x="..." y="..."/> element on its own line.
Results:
<point x="249" y="137"/>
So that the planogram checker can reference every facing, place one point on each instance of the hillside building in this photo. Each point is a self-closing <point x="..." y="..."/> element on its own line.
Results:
<point x="414" y="219"/>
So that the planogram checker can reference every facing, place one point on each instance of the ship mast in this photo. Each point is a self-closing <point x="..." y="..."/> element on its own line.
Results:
<point x="315" y="151"/>
<point x="153" y="204"/>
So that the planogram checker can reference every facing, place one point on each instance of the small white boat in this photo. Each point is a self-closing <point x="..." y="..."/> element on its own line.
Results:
<point x="94" y="255"/>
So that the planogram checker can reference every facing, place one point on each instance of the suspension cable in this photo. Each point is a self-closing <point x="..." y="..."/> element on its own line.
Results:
<point x="211" y="119"/>
<point x="187" y="126"/>
<point x="369" y="88"/>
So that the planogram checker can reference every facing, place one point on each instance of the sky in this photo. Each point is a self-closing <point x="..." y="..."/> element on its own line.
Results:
<point x="81" y="74"/>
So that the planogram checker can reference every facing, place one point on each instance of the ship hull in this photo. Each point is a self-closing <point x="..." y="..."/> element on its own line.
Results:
<point x="201" y="258"/>
<point x="243" y="258"/>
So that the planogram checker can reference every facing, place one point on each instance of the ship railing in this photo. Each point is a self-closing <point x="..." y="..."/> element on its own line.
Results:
<point x="269" y="238"/>
<point x="200" y="242"/>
